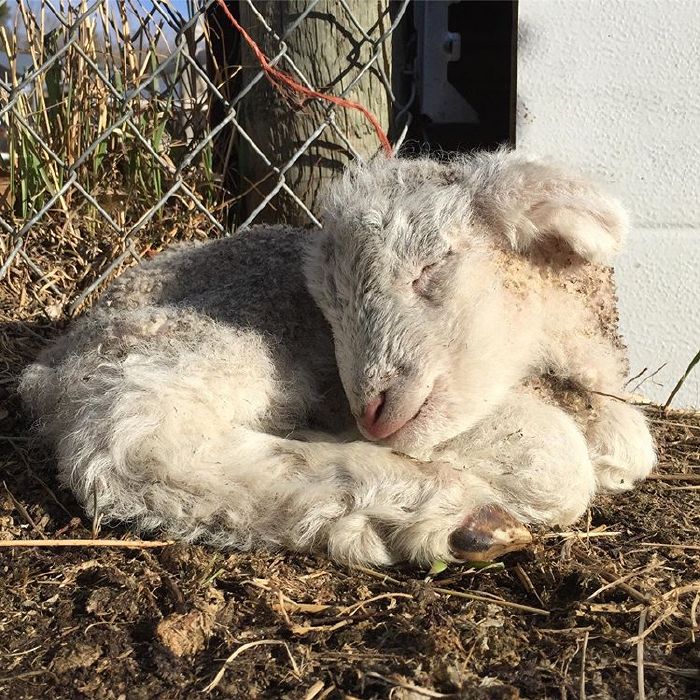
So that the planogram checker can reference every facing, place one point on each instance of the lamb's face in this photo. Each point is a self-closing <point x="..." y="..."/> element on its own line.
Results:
<point x="398" y="272"/>
<point x="407" y="274"/>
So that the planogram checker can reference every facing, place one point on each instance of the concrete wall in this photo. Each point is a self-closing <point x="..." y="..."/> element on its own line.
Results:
<point x="613" y="86"/>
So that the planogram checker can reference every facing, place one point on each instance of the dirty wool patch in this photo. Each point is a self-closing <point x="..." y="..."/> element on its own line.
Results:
<point x="608" y="611"/>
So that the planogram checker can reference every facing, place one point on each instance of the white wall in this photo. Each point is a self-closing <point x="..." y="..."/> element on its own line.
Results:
<point x="613" y="86"/>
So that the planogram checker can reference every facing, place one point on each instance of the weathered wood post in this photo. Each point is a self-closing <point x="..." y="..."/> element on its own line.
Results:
<point x="329" y="50"/>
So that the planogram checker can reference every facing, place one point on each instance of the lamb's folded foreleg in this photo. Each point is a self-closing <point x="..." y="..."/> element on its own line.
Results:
<point x="619" y="440"/>
<point x="356" y="502"/>
<point x="183" y="438"/>
<point x="533" y="455"/>
<point x="365" y="503"/>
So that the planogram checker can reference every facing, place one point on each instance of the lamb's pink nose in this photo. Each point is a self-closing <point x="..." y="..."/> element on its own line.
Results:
<point x="372" y="411"/>
<point x="372" y="422"/>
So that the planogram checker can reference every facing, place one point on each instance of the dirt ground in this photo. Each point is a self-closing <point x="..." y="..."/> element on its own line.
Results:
<point x="591" y="614"/>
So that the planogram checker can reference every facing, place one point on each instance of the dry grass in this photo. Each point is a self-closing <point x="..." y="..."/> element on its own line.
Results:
<point x="95" y="141"/>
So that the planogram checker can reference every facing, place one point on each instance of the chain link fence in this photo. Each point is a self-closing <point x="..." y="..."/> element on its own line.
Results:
<point x="126" y="125"/>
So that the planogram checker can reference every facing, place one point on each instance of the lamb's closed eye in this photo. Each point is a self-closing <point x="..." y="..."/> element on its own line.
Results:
<point x="428" y="279"/>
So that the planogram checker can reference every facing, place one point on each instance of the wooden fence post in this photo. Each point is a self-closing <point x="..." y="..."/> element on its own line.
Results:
<point x="329" y="51"/>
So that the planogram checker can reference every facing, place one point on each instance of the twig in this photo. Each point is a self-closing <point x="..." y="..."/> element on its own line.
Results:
<point x="647" y="378"/>
<point x="693" y="618"/>
<point x="124" y="544"/>
<point x="26" y="674"/>
<point x="682" y="590"/>
<point x="305" y="629"/>
<point x="21" y="454"/>
<point x="567" y="630"/>
<point x="613" y="578"/>
<point x="23" y="512"/>
<point x="459" y="594"/>
<point x="350" y="610"/>
<point x="677" y="424"/>
<point x="657" y="623"/>
<point x="260" y="642"/>
<point x="640" y="655"/>
<point x="312" y="608"/>
<point x="681" y="381"/>
<point x="582" y="685"/>
<point x="20" y="653"/>
<point x="620" y="580"/>
<point x="690" y="673"/>
<point x="674" y="477"/>
<point x="494" y="601"/>
<point x="314" y="690"/>
<point x="630" y="590"/>
<point x="692" y="547"/>
<point x="636" y="376"/>
<point x="615" y="608"/>
<point x="579" y="535"/>
<point x="377" y="574"/>
<point x="283" y="609"/>
<point x="97" y="514"/>
<point x="408" y="686"/>
<point x="527" y="583"/>
<point x="609" y="396"/>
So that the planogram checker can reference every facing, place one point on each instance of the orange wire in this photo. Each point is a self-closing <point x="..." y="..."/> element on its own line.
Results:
<point x="282" y="81"/>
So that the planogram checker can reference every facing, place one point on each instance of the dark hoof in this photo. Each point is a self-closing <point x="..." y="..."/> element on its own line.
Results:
<point x="488" y="533"/>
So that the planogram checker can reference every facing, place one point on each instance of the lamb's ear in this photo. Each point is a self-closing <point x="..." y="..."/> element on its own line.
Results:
<point x="529" y="200"/>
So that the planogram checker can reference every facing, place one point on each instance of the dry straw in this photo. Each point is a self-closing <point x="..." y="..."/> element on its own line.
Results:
<point x="102" y="118"/>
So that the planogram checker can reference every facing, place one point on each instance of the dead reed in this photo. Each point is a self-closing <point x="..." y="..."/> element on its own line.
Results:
<point x="107" y="158"/>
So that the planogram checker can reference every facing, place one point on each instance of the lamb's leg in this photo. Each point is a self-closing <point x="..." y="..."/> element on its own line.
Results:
<point x="620" y="444"/>
<point x="357" y="501"/>
<point x="534" y="457"/>
<point x="619" y="440"/>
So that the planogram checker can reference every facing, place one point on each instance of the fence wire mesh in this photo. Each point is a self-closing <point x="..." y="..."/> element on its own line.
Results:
<point x="126" y="125"/>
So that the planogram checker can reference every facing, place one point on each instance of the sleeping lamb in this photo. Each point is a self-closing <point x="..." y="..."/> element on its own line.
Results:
<point x="434" y="369"/>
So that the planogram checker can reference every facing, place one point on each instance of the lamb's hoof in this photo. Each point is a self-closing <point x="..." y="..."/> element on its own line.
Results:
<point x="487" y="534"/>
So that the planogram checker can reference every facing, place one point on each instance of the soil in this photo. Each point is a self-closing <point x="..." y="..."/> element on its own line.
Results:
<point x="608" y="608"/>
